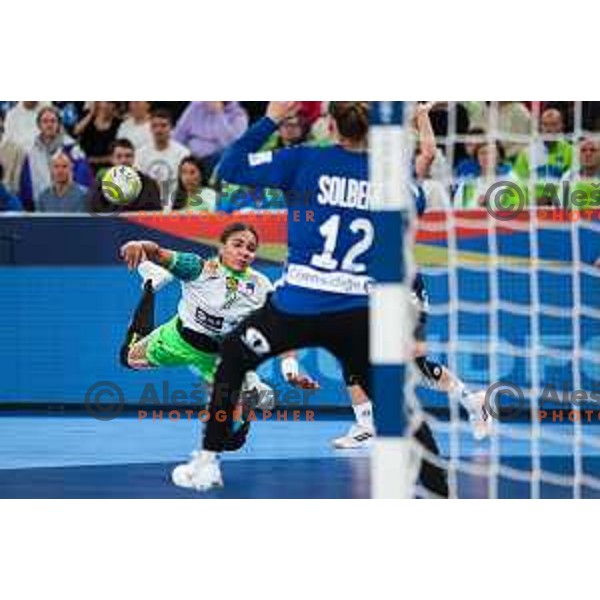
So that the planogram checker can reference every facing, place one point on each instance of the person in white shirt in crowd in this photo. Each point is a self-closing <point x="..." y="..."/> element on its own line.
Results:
<point x="473" y="192"/>
<point x="136" y="126"/>
<point x="21" y="123"/>
<point x="161" y="158"/>
<point x="11" y="160"/>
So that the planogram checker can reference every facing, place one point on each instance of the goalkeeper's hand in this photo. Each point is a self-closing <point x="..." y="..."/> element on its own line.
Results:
<point x="290" y="369"/>
<point x="278" y="111"/>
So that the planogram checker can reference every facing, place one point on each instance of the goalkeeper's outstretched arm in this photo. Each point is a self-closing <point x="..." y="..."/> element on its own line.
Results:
<point x="426" y="135"/>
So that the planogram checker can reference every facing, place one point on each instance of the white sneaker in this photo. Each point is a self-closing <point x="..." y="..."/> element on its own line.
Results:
<point x="357" y="437"/>
<point x="481" y="421"/>
<point x="198" y="474"/>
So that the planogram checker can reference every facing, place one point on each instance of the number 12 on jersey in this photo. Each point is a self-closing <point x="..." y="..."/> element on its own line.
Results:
<point x="330" y="231"/>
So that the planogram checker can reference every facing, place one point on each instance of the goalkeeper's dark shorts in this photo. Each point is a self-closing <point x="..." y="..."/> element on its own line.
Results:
<point x="420" y="300"/>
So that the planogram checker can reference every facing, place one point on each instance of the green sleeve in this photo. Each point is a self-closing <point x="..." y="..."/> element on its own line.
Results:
<point x="186" y="266"/>
<point x="521" y="168"/>
<point x="568" y="156"/>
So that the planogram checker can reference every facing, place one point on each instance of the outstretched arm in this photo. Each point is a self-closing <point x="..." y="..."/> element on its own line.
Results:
<point x="183" y="265"/>
<point x="134" y="252"/>
<point x="425" y="132"/>
<point x="242" y="162"/>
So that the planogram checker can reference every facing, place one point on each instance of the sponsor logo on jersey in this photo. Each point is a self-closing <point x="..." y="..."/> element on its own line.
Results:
<point x="336" y="282"/>
<point x="231" y="284"/>
<point x="209" y="321"/>
<point x="248" y="287"/>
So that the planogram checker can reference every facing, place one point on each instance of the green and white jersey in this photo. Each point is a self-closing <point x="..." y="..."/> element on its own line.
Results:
<point x="215" y="299"/>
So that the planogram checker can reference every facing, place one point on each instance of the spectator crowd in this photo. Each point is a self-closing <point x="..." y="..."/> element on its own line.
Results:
<point x="53" y="154"/>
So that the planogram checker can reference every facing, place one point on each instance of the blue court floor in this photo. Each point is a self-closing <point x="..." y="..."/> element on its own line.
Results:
<point x="79" y="457"/>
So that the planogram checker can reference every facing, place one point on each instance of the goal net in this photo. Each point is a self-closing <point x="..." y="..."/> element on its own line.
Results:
<point x="507" y="249"/>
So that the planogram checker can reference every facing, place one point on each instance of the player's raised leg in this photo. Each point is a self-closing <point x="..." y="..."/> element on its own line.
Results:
<point x="440" y="377"/>
<point x="132" y="353"/>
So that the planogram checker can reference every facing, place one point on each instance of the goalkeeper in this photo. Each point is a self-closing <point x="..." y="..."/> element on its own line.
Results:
<point x="433" y="373"/>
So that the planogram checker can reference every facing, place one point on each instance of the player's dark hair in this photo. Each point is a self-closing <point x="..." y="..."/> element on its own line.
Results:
<point x="236" y="228"/>
<point x="120" y="143"/>
<point x="1" y="173"/>
<point x="500" y="151"/>
<point x="181" y="198"/>
<point x="351" y="119"/>
<point x="476" y="131"/>
<point x="161" y="113"/>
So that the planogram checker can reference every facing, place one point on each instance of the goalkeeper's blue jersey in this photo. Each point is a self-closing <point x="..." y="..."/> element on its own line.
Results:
<point x="330" y="231"/>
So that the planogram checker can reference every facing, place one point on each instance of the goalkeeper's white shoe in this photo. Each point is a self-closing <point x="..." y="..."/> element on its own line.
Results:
<point x="480" y="419"/>
<point x="357" y="437"/>
<point x="159" y="277"/>
<point x="199" y="473"/>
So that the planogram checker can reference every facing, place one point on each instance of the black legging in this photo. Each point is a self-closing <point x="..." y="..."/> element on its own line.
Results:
<point x="270" y="332"/>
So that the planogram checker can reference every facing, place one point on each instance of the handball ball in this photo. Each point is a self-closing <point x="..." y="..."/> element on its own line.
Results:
<point x="121" y="185"/>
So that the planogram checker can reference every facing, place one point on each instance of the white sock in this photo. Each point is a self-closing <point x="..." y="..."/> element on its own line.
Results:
<point x="207" y="456"/>
<point x="364" y="414"/>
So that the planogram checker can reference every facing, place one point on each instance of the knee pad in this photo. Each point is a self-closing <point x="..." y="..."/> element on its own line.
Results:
<point x="430" y="369"/>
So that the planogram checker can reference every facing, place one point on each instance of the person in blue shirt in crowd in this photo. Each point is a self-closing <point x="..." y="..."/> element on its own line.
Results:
<point x="8" y="202"/>
<point x="35" y="175"/>
<point x="322" y="299"/>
